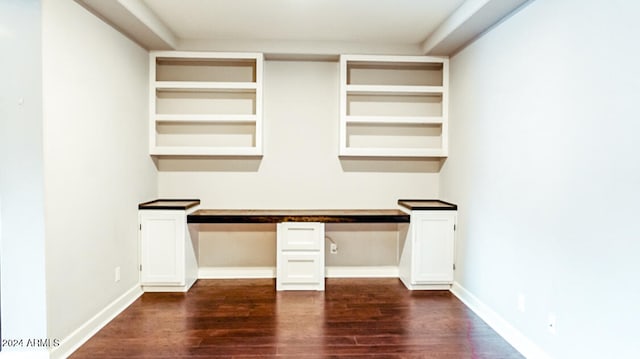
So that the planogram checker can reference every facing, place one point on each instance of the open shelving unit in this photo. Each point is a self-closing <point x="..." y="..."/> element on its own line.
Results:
<point x="205" y="104"/>
<point x="393" y="106"/>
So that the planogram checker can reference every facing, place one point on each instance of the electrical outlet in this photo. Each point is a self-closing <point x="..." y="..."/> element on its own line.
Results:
<point x="333" y="248"/>
<point x="117" y="274"/>
<point x="521" y="302"/>
<point x="552" y="323"/>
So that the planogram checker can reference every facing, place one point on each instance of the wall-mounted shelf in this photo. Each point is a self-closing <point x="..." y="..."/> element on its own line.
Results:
<point x="393" y="106"/>
<point x="205" y="104"/>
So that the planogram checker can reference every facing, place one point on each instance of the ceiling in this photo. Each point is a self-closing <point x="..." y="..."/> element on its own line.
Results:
<point x="304" y="27"/>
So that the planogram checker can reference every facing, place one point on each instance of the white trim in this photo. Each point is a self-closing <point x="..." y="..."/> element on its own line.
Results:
<point x="168" y="288"/>
<point x="72" y="342"/>
<point x="209" y="55"/>
<point x="41" y="354"/>
<point x="433" y="286"/>
<point x="143" y="14"/>
<point x="270" y="272"/>
<point x="362" y="272"/>
<point x="367" y="59"/>
<point x="512" y="335"/>
<point x="236" y="272"/>
<point x="466" y="23"/>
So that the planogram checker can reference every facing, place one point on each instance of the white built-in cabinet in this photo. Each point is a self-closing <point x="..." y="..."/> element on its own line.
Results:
<point x="210" y="104"/>
<point x="428" y="256"/>
<point x="168" y="252"/>
<point x="393" y="106"/>
<point x="205" y="104"/>
<point x="300" y="256"/>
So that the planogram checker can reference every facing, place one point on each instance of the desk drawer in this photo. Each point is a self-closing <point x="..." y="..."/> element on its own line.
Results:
<point x="301" y="236"/>
<point x="301" y="268"/>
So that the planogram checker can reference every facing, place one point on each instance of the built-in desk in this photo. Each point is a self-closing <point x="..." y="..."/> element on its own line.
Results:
<point x="279" y="216"/>
<point x="426" y="262"/>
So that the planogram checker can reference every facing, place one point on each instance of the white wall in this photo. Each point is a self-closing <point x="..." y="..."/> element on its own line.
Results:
<point x="22" y="242"/>
<point x="544" y="166"/>
<point x="97" y="167"/>
<point x="300" y="168"/>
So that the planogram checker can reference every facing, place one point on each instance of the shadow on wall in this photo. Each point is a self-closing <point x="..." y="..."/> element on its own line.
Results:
<point x="392" y="165"/>
<point x="252" y="164"/>
<point x="208" y="164"/>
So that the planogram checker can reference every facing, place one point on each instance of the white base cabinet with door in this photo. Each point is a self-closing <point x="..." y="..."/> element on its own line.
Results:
<point x="428" y="256"/>
<point x="300" y="258"/>
<point x="168" y="251"/>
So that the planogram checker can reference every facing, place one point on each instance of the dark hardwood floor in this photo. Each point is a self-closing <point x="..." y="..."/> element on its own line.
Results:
<point x="353" y="318"/>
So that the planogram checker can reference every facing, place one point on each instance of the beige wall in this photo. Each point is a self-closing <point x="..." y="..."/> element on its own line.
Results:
<point x="544" y="166"/>
<point x="22" y="222"/>
<point x="300" y="170"/>
<point x="97" y="167"/>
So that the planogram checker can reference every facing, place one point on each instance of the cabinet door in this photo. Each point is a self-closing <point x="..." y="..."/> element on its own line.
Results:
<point x="162" y="247"/>
<point x="434" y="248"/>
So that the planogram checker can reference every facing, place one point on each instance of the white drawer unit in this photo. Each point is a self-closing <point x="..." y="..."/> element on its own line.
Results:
<point x="300" y="259"/>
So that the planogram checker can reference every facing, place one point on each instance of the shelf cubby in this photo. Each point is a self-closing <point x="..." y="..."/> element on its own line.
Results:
<point x="205" y="104"/>
<point x="393" y="106"/>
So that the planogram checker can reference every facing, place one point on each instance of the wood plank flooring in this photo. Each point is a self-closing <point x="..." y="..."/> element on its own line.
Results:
<point x="353" y="318"/>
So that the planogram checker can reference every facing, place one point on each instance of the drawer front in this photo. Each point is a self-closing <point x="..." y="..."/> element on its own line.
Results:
<point x="300" y="236"/>
<point x="300" y="268"/>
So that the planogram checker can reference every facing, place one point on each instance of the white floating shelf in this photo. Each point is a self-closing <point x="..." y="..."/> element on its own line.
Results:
<point x="393" y="90"/>
<point x="392" y="152"/>
<point x="205" y="103"/>
<point x="205" y="86"/>
<point x="189" y="118"/>
<point x="426" y="120"/>
<point x="393" y="106"/>
<point x="205" y="151"/>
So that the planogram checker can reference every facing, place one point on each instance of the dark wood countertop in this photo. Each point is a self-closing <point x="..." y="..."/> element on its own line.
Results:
<point x="427" y="205"/>
<point x="171" y="204"/>
<point x="278" y="215"/>
<point x="309" y="215"/>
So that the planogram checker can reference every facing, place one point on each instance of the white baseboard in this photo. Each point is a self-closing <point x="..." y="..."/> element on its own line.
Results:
<point x="236" y="272"/>
<point x="512" y="335"/>
<point x="270" y="272"/>
<point x="40" y="354"/>
<point x="72" y="342"/>
<point x="362" y="272"/>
